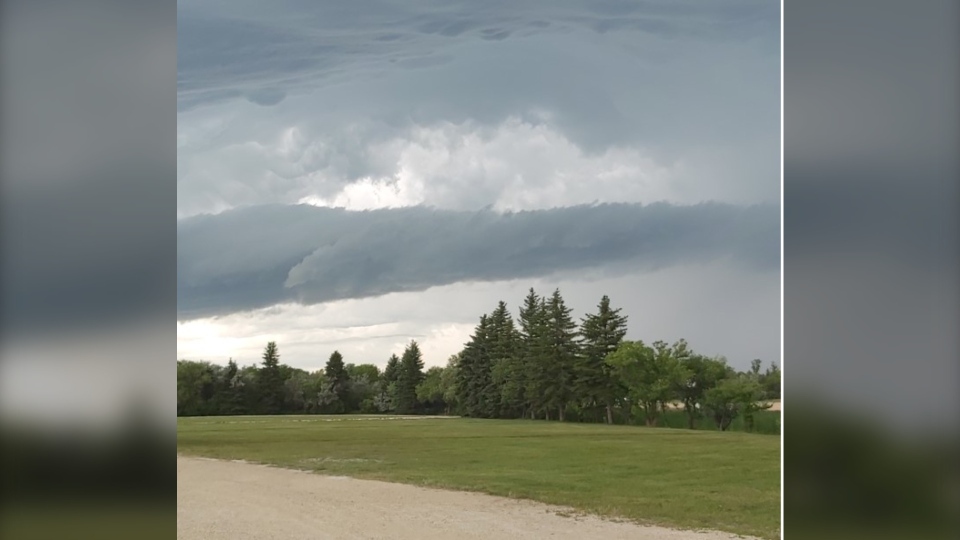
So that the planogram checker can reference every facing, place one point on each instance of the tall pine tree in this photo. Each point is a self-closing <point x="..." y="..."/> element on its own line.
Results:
<point x="601" y="334"/>
<point x="562" y="355"/>
<point x="506" y="393"/>
<point x="339" y="380"/>
<point x="474" y="377"/>
<point x="386" y="399"/>
<point x="271" y="380"/>
<point x="391" y="370"/>
<point x="409" y="375"/>
<point x="534" y="346"/>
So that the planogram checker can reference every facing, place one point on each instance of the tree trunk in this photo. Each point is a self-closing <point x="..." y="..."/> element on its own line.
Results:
<point x="560" y="413"/>
<point x="690" y="420"/>
<point x="609" y="414"/>
<point x="650" y="415"/>
<point x="546" y="415"/>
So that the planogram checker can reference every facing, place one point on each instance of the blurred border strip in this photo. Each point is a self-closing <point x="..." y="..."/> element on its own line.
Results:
<point x="871" y="273"/>
<point x="88" y="268"/>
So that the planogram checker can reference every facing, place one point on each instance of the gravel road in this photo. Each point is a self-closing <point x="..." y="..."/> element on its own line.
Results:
<point x="226" y="500"/>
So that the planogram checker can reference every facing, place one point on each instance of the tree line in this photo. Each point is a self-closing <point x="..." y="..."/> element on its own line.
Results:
<point x="543" y="366"/>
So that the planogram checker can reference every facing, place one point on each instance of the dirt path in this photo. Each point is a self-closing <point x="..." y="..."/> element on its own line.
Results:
<point x="221" y="500"/>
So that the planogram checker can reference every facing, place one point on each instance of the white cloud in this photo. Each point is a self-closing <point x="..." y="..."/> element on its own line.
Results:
<point x="516" y="165"/>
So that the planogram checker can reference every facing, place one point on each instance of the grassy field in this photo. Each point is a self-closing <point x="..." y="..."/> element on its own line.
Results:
<point x="682" y="478"/>
<point x="765" y="422"/>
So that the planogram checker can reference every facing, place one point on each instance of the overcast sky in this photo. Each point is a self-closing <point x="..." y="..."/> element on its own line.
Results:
<point x="352" y="175"/>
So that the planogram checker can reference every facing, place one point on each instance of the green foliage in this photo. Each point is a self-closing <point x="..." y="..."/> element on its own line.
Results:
<point x="363" y="386"/>
<point x="475" y="386"/>
<point x="392" y="371"/>
<point x="338" y="381"/>
<point x="506" y="394"/>
<point x="600" y="335"/>
<point x="369" y="371"/>
<point x="699" y="375"/>
<point x="650" y="374"/>
<point x="534" y="350"/>
<point x="541" y="366"/>
<point x="409" y="376"/>
<point x="734" y="396"/>
<point x="195" y="386"/>
<point x="386" y="398"/>
<point x="230" y="390"/>
<point x="766" y="422"/>
<point x="448" y="383"/>
<point x="561" y="356"/>
<point x="270" y="380"/>
<point x="430" y="391"/>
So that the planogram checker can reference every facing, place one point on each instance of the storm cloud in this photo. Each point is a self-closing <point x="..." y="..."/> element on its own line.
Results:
<point x="339" y="157"/>
<point x="304" y="99"/>
<point x="256" y="257"/>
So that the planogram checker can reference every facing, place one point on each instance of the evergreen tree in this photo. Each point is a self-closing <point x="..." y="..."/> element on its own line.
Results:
<point x="339" y="380"/>
<point x="534" y="344"/>
<point x="505" y="395"/>
<point x="271" y="380"/>
<point x="562" y="354"/>
<point x="475" y="387"/>
<point x="409" y="376"/>
<point x="229" y="391"/>
<point x="391" y="371"/>
<point x="601" y="334"/>
<point x="386" y="399"/>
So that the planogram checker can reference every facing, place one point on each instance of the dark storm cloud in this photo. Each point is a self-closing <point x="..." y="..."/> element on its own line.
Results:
<point x="260" y="256"/>
<point x="692" y="83"/>
<point x="669" y="69"/>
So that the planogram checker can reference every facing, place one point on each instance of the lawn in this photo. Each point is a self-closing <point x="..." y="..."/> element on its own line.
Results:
<point x="682" y="478"/>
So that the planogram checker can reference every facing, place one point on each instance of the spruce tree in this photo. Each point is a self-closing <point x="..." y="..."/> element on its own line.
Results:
<point x="271" y="381"/>
<point x="601" y="334"/>
<point x="339" y="379"/>
<point x="391" y="371"/>
<point x="562" y="354"/>
<point x="474" y="378"/>
<point x="409" y="375"/>
<point x="505" y="395"/>
<point x="387" y="398"/>
<point x="533" y="342"/>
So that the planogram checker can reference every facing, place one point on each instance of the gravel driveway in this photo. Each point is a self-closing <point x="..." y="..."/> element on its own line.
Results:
<point x="225" y="500"/>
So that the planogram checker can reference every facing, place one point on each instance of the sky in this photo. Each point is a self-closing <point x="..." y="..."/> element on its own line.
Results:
<point x="351" y="176"/>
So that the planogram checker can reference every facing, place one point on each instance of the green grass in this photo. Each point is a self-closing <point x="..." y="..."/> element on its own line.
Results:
<point x="765" y="422"/>
<point x="680" y="478"/>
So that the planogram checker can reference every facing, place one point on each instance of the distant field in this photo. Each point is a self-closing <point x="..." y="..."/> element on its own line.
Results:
<point x="682" y="478"/>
